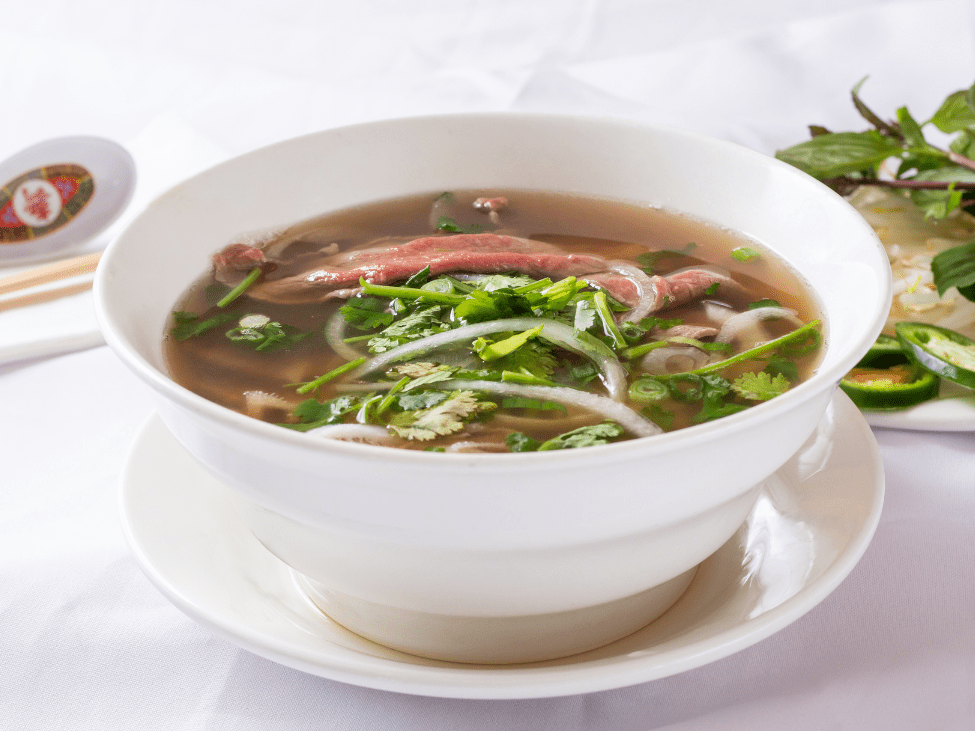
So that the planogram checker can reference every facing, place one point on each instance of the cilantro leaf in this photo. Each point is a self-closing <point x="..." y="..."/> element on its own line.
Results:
<point x="265" y="336"/>
<point x="312" y="414"/>
<point x="443" y="419"/>
<point x="419" y="324"/>
<point x="586" y="436"/>
<point x="777" y="365"/>
<point x="518" y="442"/>
<point x="492" y="282"/>
<point x="424" y="374"/>
<point x="421" y="400"/>
<point x="497" y="304"/>
<point x="189" y="325"/>
<point x="366" y="313"/>
<point x="489" y="351"/>
<point x="760" y="386"/>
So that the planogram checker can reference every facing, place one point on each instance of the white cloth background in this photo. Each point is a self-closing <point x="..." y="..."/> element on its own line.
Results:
<point x="87" y="643"/>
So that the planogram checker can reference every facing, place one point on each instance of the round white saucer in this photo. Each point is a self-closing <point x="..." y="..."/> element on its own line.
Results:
<point x="809" y="528"/>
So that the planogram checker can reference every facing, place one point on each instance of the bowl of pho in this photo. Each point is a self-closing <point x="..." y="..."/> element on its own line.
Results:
<point x="494" y="385"/>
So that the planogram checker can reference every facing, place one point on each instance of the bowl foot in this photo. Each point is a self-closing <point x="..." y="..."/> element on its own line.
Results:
<point x="496" y="640"/>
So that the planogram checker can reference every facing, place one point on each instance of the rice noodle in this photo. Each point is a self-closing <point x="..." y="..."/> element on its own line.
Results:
<point x="645" y="290"/>
<point x="623" y="415"/>
<point x="733" y="327"/>
<point x="361" y="433"/>
<point x="612" y="372"/>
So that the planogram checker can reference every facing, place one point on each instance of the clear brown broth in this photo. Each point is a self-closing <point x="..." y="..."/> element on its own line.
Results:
<point x="222" y="371"/>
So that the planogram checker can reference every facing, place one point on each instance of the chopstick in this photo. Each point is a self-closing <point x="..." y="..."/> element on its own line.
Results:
<point x="45" y="275"/>
<point x="46" y="296"/>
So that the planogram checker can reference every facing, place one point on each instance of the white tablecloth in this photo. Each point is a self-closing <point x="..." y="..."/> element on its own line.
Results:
<point x="86" y="642"/>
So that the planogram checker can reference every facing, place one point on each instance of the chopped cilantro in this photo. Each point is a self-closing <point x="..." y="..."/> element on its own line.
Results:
<point x="777" y="365"/>
<point x="240" y="288"/>
<point x="518" y="442"/>
<point x="312" y="414"/>
<point x="648" y="259"/>
<point x="449" y="225"/>
<point x="760" y="386"/>
<point x="492" y="282"/>
<point x="332" y="374"/>
<point x="431" y="375"/>
<point x="264" y="335"/>
<point x="419" y="278"/>
<point x="586" y="436"/>
<point x="419" y="324"/>
<point x="648" y="323"/>
<point x="584" y="373"/>
<point x="758" y="304"/>
<point x="520" y="402"/>
<point x="447" y="417"/>
<point x="497" y="304"/>
<point x="366" y="313"/>
<point x="585" y="316"/>
<point x="421" y="400"/>
<point x="745" y="253"/>
<point x="489" y="351"/>
<point x="714" y="391"/>
<point x="659" y="415"/>
<point x="189" y="325"/>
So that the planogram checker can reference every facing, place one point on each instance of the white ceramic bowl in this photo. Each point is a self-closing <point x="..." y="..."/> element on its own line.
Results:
<point x="494" y="558"/>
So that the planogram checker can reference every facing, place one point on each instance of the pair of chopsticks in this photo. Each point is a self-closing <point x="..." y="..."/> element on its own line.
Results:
<point x="47" y="274"/>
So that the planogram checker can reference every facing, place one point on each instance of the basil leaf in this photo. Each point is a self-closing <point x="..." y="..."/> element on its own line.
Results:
<point x="832" y="155"/>
<point x="939" y="203"/>
<point x="957" y="112"/>
<point x="955" y="267"/>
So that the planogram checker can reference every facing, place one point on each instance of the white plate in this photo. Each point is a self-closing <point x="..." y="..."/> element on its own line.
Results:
<point x="953" y="410"/>
<point x="810" y="527"/>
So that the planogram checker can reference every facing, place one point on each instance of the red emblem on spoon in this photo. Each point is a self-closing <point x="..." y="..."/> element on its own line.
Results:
<point x="41" y="201"/>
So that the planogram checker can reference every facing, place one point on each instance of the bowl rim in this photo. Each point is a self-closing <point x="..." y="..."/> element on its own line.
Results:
<point x="820" y="380"/>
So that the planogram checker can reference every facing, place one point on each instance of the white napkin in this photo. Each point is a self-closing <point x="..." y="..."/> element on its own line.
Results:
<point x="167" y="151"/>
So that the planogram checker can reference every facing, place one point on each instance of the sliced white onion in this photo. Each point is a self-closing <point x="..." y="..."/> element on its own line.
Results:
<point x="361" y="433"/>
<point x="733" y="327"/>
<point x="621" y="414"/>
<point x="612" y="371"/>
<point x="645" y="290"/>
<point x="717" y="312"/>
<point x="472" y="446"/>
<point x="674" y="359"/>
<point x="919" y="300"/>
<point x="334" y="331"/>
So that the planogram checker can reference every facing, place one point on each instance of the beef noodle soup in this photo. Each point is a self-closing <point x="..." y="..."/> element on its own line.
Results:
<point x="494" y="321"/>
